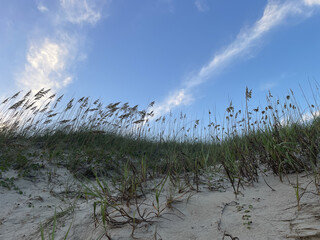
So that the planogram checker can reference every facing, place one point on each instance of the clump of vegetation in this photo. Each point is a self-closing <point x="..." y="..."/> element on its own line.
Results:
<point x="132" y="146"/>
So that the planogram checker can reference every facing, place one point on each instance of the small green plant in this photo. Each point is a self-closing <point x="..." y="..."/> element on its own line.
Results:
<point x="53" y="232"/>
<point x="247" y="220"/>
<point x="9" y="184"/>
<point x="299" y="192"/>
<point x="246" y="217"/>
<point x="158" y="191"/>
<point x="112" y="211"/>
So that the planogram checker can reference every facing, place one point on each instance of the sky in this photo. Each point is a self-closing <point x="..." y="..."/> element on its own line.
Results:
<point x="186" y="55"/>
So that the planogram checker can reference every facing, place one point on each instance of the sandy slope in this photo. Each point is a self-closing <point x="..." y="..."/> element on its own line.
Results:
<point x="258" y="213"/>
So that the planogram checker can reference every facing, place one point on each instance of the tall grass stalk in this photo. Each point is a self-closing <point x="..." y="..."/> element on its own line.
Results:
<point x="132" y="146"/>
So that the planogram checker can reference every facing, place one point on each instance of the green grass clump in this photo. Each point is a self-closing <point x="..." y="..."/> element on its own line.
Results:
<point x="132" y="146"/>
<point x="106" y="137"/>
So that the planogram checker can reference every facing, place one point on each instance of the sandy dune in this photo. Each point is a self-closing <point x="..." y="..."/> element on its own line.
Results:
<point x="257" y="213"/>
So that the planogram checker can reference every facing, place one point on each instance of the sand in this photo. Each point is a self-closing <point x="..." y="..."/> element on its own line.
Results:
<point x="257" y="213"/>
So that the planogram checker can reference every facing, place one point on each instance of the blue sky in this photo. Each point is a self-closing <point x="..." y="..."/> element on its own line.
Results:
<point x="187" y="55"/>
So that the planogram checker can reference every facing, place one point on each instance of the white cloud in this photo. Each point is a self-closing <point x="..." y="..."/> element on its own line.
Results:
<point x="312" y="2"/>
<point x="46" y="66"/>
<point x="274" y="14"/>
<point x="310" y="116"/>
<point x="48" y="59"/>
<point x="201" y="5"/>
<point x="267" y="86"/>
<point x="305" y="118"/>
<point x="80" y="11"/>
<point x="42" y="8"/>
<point x="180" y="97"/>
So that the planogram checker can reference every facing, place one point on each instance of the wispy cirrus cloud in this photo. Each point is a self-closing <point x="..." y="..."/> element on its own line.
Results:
<point x="271" y="83"/>
<point x="177" y="98"/>
<point x="312" y="2"/>
<point x="266" y="86"/>
<point x="275" y="13"/>
<point x="202" y="5"/>
<point x="49" y="58"/>
<point x="80" y="11"/>
<point x="169" y="4"/>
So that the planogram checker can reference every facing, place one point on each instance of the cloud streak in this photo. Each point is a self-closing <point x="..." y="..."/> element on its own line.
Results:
<point x="180" y="97"/>
<point x="274" y="14"/>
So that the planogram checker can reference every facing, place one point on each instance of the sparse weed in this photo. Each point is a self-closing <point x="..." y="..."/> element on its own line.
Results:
<point x="52" y="234"/>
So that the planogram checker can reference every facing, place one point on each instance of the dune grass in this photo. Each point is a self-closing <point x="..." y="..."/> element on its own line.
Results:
<point x="132" y="146"/>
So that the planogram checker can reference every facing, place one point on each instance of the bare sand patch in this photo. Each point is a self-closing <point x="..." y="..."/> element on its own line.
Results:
<point x="257" y="213"/>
